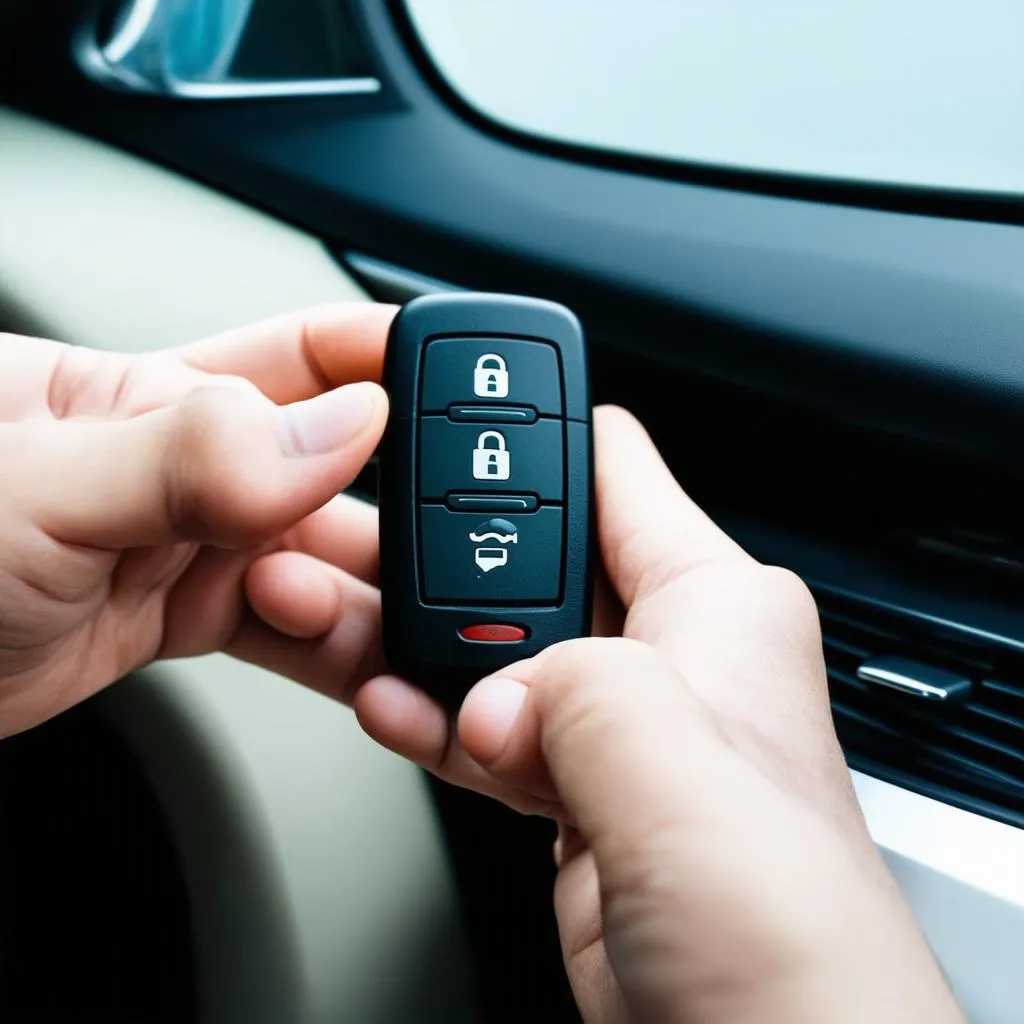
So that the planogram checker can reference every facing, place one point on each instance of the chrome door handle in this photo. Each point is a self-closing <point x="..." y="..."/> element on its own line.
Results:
<point x="184" y="49"/>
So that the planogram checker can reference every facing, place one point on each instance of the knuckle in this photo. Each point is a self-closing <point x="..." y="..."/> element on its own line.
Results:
<point x="212" y="486"/>
<point x="573" y="660"/>
<point x="790" y="597"/>
<point x="758" y="599"/>
<point x="580" y="675"/>
<point x="588" y="694"/>
<point x="231" y="382"/>
<point x="787" y="588"/>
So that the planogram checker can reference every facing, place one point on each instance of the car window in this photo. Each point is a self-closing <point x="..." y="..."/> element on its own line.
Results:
<point x="911" y="92"/>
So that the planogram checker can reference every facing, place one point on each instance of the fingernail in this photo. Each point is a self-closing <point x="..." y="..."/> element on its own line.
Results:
<point x="327" y="422"/>
<point x="498" y="700"/>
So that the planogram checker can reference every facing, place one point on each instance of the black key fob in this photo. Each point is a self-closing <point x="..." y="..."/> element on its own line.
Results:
<point x="485" y="487"/>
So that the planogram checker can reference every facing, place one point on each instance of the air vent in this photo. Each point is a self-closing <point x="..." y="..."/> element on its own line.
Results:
<point x="968" y="751"/>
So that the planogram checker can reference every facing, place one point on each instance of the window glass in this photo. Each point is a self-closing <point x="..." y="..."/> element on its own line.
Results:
<point x="921" y="92"/>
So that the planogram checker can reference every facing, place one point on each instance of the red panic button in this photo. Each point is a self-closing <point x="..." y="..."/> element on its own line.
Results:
<point x="493" y="633"/>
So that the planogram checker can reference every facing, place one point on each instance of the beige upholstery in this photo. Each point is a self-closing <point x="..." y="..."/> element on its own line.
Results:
<point x="318" y="877"/>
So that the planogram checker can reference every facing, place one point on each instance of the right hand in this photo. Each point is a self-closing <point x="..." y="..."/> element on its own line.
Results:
<point x="713" y="861"/>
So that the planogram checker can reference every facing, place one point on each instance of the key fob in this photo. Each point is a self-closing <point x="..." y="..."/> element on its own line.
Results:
<point x="485" y="487"/>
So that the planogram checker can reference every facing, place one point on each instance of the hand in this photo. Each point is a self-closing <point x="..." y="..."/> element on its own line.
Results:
<point x="142" y="495"/>
<point x="713" y="862"/>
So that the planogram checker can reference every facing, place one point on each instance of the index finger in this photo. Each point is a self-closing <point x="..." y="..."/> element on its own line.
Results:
<point x="299" y="355"/>
<point x="650" y="531"/>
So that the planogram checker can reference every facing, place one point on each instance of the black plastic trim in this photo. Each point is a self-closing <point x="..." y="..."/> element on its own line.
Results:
<point x="990" y="624"/>
<point x="913" y="324"/>
<point x="936" y="791"/>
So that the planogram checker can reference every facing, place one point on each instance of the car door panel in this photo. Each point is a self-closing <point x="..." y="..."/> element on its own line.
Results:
<point x="300" y="841"/>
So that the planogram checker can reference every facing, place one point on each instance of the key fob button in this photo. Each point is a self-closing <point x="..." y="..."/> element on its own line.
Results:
<point x="462" y="371"/>
<point x="467" y="457"/>
<point x="479" y="559"/>
<point x="493" y="633"/>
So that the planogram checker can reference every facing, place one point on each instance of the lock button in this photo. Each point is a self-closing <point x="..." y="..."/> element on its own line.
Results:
<point x="466" y="371"/>
<point x="490" y="378"/>
<point x="471" y="457"/>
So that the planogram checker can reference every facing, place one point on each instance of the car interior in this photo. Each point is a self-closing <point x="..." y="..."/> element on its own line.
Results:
<point x="818" y="313"/>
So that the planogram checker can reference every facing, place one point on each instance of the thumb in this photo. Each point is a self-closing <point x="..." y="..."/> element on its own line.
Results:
<point x="223" y="466"/>
<point x="718" y="891"/>
<point x="604" y="726"/>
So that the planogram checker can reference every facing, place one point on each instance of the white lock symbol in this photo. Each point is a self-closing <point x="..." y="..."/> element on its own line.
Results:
<point x="491" y="463"/>
<point x="490" y="378"/>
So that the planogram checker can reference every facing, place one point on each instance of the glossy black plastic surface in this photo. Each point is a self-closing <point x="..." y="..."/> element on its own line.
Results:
<point x="532" y="454"/>
<point x="435" y="577"/>
<point x="525" y="374"/>
<point x="530" y="572"/>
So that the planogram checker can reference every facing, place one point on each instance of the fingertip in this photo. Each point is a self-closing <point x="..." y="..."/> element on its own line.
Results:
<point x="620" y="437"/>
<point x="615" y="423"/>
<point x="611" y="413"/>
<point x="347" y="341"/>
<point x="403" y="718"/>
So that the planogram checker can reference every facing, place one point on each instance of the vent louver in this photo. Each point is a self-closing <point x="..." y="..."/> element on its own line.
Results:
<point x="968" y="753"/>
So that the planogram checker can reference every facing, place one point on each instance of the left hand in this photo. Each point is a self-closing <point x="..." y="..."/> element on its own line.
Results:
<point x="141" y="495"/>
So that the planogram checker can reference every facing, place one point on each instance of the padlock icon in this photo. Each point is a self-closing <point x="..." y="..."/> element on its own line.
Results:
<point x="490" y="378"/>
<point x="491" y="463"/>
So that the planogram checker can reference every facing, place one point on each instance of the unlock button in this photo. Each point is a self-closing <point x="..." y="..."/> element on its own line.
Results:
<point x="510" y="459"/>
